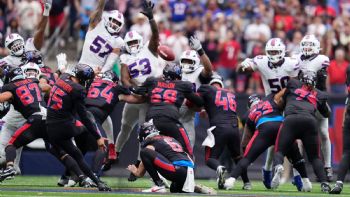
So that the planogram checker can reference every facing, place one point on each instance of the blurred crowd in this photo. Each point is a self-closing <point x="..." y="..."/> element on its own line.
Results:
<point x="230" y="30"/>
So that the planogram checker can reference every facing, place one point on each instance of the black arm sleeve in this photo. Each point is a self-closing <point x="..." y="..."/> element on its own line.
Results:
<point x="195" y="99"/>
<point x="322" y="105"/>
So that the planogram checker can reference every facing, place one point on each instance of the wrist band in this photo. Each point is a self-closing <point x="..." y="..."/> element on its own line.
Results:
<point x="201" y="52"/>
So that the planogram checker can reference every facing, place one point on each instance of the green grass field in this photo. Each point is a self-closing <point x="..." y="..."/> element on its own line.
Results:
<point x="46" y="186"/>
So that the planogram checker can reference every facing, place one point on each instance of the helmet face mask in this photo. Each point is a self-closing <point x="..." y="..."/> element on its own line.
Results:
<point x="189" y="61"/>
<point x="275" y="50"/>
<point x="309" y="78"/>
<point x="309" y="45"/>
<point x="147" y="130"/>
<point x="31" y="70"/>
<point x="110" y="76"/>
<point x="172" y="72"/>
<point x="16" y="74"/>
<point x="16" y="48"/>
<point x="133" y="42"/>
<point x="113" y="20"/>
<point x="253" y="100"/>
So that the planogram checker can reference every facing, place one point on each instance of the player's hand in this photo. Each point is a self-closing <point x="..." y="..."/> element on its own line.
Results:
<point x="195" y="43"/>
<point x="148" y="9"/>
<point x="132" y="168"/>
<point x="101" y="143"/>
<point x="246" y="64"/>
<point x="61" y="61"/>
<point x="47" y="7"/>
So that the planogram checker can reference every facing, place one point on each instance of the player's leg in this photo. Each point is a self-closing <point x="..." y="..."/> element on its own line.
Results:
<point x="310" y="141"/>
<point x="300" y="176"/>
<point x="187" y="120"/>
<point x="128" y="122"/>
<point x="108" y="129"/>
<point x="345" y="161"/>
<point x="325" y="145"/>
<point x="284" y="140"/>
<point x="267" y="168"/>
<point x="173" y="128"/>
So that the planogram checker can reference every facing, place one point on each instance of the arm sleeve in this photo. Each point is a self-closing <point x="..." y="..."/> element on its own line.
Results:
<point x="203" y="79"/>
<point x="321" y="79"/>
<point x="322" y="104"/>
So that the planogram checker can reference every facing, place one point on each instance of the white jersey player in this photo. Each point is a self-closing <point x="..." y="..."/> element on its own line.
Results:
<point x="140" y="62"/>
<point x="311" y="60"/>
<point x="101" y="49"/>
<point x="196" y="73"/>
<point x="18" y="49"/>
<point x="275" y="70"/>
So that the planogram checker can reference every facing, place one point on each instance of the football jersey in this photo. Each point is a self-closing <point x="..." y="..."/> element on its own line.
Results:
<point x="98" y="44"/>
<point x="275" y="78"/>
<point x="265" y="108"/>
<point x="143" y="65"/>
<point x="166" y="97"/>
<point x="220" y="105"/>
<point x="47" y="73"/>
<point x="103" y="95"/>
<point x="168" y="147"/>
<point x="14" y="61"/>
<point x="315" y="63"/>
<point x="300" y="100"/>
<point x="26" y="96"/>
<point x="63" y="95"/>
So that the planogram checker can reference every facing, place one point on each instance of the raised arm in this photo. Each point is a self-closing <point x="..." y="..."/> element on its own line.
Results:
<point x="148" y="12"/>
<point x="196" y="45"/>
<point x="40" y="30"/>
<point x="96" y="16"/>
<point x="125" y="76"/>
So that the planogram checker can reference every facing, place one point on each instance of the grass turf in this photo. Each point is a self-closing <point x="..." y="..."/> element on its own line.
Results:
<point x="46" y="186"/>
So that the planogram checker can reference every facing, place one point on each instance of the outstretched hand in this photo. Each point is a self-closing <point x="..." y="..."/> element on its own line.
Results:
<point x="148" y="9"/>
<point x="195" y="43"/>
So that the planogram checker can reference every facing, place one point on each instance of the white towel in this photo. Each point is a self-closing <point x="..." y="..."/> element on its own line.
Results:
<point x="210" y="139"/>
<point x="189" y="183"/>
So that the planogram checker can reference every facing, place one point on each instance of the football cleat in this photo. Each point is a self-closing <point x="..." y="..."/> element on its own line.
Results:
<point x="247" y="186"/>
<point x="338" y="187"/>
<point x="103" y="186"/>
<point x="62" y="181"/>
<point x="220" y="173"/>
<point x="267" y="178"/>
<point x="277" y="177"/>
<point x="229" y="183"/>
<point x="155" y="189"/>
<point x="325" y="187"/>
<point x="298" y="182"/>
<point x="8" y="172"/>
<point x="307" y="186"/>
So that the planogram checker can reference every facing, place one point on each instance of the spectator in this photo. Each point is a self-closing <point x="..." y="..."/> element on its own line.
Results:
<point x="317" y="27"/>
<point x="178" y="42"/>
<point x="294" y="46"/>
<point x="256" y="32"/>
<point x="57" y="15"/>
<point x="164" y="32"/>
<point x="337" y="73"/>
<point x="83" y="25"/>
<point x="229" y="51"/>
<point x="210" y="46"/>
<point x="29" y="13"/>
<point x="142" y="27"/>
<point x="179" y="9"/>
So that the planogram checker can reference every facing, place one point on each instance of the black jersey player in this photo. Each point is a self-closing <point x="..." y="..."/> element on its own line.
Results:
<point x="345" y="161"/>
<point x="163" y="155"/>
<point x="302" y="100"/>
<point x="220" y="105"/>
<point x="66" y="99"/>
<point x="264" y="120"/>
<point x="166" y="96"/>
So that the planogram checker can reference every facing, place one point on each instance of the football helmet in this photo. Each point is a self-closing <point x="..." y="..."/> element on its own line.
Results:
<point x="310" y="45"/>
<point x="31" y="70"/>
<point x="189" y="61"/>
<point x="113" y="21"/>
<point x="133" y="42"/>
<point x="15" y="44"/>
<point x="275" y="50"/>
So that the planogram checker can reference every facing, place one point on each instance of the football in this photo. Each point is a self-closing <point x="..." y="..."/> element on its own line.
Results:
<point x="166" y="53"/>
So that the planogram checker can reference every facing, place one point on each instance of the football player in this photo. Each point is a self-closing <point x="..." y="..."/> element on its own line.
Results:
<point x="264" y="120"/>
<point x="197" y="69"/>
<point x="275" y="70"/>
<point x="67" y="99"/>
<point x="17" y="57"/>
<point x="140" y="61"/>
<point x="220" y="105"/>
<point x="164" y="155"/>
<point x="301" y="100"/>
<point x="310" y="59"/>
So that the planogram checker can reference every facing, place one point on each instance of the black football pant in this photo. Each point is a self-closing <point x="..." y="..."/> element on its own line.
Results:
<point x="60" y="135"/>
<point x="345" y="161"/>
<point x="155" y="163"/>
<point x="263" y="138"/>
<point x="225" y="136"/>
<point x="304" y="127"/>
<point x="173" y="128"/>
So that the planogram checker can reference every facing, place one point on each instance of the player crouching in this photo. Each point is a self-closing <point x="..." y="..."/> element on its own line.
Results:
<point x="163" y="155"/>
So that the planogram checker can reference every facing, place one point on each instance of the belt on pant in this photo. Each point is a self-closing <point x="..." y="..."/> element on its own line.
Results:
<point x="269" y="119"/>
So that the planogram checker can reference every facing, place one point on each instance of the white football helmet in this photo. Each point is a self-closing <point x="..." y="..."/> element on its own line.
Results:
<point x="310" y="45"/>
<point x="275" y="50"/>
<point x="15" y="44"/>
<point x="113" y="20"/>
<point x="31" y="70"/>
<point x="189" y="61"/>
<point x="133" y="42"/>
